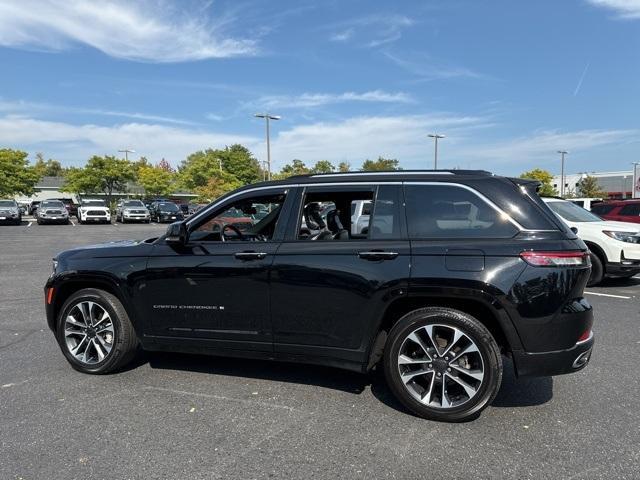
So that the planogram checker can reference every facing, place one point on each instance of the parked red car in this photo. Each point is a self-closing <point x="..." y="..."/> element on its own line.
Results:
<point x="619" y="210"/>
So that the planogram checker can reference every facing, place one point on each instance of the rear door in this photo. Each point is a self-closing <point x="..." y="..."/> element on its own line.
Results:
<point x="328" y="293"/>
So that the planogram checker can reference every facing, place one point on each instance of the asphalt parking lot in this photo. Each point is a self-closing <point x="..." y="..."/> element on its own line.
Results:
<point x="193" y="417"/>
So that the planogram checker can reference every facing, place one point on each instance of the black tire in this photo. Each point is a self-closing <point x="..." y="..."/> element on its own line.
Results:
<point x="125" y="342"/>
<point x="38" y="222"/>
<point x="597" y="270"/>
<point x="487" y="347"/>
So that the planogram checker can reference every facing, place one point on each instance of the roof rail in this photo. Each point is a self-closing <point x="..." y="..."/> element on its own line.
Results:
<point x="396" y="172"/>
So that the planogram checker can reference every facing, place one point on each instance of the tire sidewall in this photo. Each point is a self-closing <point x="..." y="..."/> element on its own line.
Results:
<point x="116" y="351"/>
<point x="597" y="270"/>
<point x="490" y="358"/>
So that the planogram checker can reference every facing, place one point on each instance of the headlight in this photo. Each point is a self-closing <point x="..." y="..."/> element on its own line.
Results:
<point x="629" y="237"/>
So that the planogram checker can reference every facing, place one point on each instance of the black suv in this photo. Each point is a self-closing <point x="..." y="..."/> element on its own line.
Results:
<point x="456" y="269"/>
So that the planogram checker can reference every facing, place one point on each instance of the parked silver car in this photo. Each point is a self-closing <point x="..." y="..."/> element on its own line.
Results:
<point x="10" y="212"/>
<point x="132" y="211"/>
<point x="52" y="211"/>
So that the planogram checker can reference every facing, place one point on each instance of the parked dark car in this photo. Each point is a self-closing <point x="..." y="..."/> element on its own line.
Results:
<point x="52" y="211"/>
<point x="10" y="212"/>
<point x="618" y="210"/>
<point x="33" y="207"/>
<point x="70" y="205"/>
<point x="165" y="212"/>
<point x="456" y="268"/>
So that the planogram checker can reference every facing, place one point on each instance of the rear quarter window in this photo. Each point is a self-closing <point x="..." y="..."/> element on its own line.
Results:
<point x="631" y="210"/>
<point x="450" y="211"/>
<point x="602" y="209"/>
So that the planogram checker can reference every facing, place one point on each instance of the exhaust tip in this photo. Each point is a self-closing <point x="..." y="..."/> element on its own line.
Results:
<point x="582" y="359"/>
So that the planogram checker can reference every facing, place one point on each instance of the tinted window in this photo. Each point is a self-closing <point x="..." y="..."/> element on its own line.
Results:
<point x="7" y="203"/>
<point x="94" y="203"/>
<point x="602" y="209"/>
<point x="53" y="204"/>
<point x="387" y="218"/>
<point x="133" y="203"/>
<point x="443" y="211"/>
<point x="167" y="207"/>
<point x="633" y="209"/>
<point x="580" y="203"/>
<point x="366" y="208"/>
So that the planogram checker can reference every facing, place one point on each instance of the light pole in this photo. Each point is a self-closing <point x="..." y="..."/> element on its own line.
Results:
<point x="126" y="152"/>
<point x="435" y="137"/>
<point x="268" y="117"/>
<point x="562" y="153"/>
<point x="635" y="180"/>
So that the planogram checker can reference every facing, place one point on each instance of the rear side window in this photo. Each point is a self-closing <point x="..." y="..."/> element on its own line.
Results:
<point x="449" y="211"/>
<point x="602" y="209"/>
<point x="633" y="209"/>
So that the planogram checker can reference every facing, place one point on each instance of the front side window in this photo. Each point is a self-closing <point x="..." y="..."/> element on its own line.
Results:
<point x="449" y="211"/>
<point x="249" y="219"/>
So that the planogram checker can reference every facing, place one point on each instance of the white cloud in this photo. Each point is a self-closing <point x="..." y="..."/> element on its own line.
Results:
<point x="627" y="9"/>
<point x="425" y="68"/>
<point x="372" y="30"/>
<point x="31" y="108"/>
<point x="148" y="30"/>
<point x="74" y="144"/>
<point x="306" y="100"/>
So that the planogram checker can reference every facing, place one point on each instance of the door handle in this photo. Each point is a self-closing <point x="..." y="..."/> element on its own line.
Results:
<point x="250" y="255"/>
<point x="377" y="255"/>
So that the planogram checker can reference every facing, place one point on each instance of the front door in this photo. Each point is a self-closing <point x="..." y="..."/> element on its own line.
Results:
<point x="216" y="287"/>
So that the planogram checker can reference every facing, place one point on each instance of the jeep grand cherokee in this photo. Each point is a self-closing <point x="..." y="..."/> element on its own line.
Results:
<point x="456" y="269"/>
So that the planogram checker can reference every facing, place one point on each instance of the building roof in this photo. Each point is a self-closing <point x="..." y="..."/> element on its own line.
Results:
<point x="50" y="183"/>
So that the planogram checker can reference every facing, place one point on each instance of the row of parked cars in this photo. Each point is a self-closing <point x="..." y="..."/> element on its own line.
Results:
<point x="91" y="210"/>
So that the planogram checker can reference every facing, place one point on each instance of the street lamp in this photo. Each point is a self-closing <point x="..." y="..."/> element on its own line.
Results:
<point x="562" y="153"/>
<point x="268" y="117"/>
<point x="126" y="152"/>
<point x="435" y="137"/>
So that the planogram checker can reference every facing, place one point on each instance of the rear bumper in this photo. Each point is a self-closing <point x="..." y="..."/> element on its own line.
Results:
<point x="541" y="364"/>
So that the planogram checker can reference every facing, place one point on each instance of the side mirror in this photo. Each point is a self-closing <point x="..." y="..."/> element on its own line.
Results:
<point x="574" y="230"/>
<point x="177" y="234"/>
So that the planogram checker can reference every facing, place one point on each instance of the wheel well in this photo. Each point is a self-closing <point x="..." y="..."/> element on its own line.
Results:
<point x="472" y="307"/>
<point x="598" y="252"/>
<point x="64" y="291"/>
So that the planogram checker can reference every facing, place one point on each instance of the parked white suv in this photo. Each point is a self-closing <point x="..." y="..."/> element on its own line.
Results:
<point x="615" y="246"/>
<point x="93" y="210"/>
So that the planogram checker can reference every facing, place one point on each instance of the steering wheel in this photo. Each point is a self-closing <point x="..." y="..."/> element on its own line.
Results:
<point x="235" y="229"/>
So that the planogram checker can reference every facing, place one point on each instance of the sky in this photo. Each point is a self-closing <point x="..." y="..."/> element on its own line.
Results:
<point x="508" y="83"/>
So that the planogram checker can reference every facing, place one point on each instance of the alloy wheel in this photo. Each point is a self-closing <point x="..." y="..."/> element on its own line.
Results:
<point x="89" y="332"/>
<point x="440" y="366"/>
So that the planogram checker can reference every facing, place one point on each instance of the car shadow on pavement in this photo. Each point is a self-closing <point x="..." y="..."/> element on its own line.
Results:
<point x="325" y="377"/>
<point x="619" y="282"/>
<point x="522" y="392"/>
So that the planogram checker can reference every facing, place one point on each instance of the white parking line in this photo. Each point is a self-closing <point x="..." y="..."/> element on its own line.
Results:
<point x="607" y="295"/>
<point x="71" y="221"/>
<point x="29" y="224"/>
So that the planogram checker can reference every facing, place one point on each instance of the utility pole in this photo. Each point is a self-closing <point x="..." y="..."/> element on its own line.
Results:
<point x="126" y="152"/>
<point x="634" y="191"/>
<point x="268" y="117"/>
<point x="436" y="137"/>
<point x="562" y="153"/>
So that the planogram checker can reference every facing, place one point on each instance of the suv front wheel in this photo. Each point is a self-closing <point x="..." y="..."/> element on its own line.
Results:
<point x="442" y="364"/>
<point x="95" y="333"/>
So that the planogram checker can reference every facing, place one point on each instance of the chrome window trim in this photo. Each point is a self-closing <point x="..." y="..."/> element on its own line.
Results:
<point x="359" y="174"/>
<point x="213" y="206"/>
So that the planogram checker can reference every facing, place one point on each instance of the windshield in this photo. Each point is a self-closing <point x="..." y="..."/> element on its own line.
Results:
<point x="52" y="204"/>
<point x="168" y="207"/>
<point x="572" y="212"/>
<point x="93" y="203"/>
<point x="133" y="203"/>
<point x="7" y="203"/>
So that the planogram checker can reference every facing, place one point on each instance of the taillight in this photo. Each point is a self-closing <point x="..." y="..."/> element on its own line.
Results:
<point x="49" y="295"/>
<point x="556" y="259"/>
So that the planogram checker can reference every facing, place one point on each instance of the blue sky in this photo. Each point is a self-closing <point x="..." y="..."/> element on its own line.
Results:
<point x="509" y="83"/>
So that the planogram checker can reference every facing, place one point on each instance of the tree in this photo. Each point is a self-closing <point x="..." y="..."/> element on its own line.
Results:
<point x="588" y="187"/>
<point x="296" y="167"/>
<point x="545" y="178"/>
<point x="196" y="170"/>
<point x="16" y="175"/>
<point x="380" y="165"/>
<point x="240" y="162"/>
<point x="166" y="166"/>
<point x="49" y="168"/>
<point x="140" y="163"/>
<point x="217" y="185"/>
<point x="156" y="181"/>
<point x="106" y="174"/>
<point x="344" y="167"/>
<point x="323" y="166"/>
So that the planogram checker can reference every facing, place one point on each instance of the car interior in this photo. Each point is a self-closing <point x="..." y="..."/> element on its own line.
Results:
<point x="327" y="215"/>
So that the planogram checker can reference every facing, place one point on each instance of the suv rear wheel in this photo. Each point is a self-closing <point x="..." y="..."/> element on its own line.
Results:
<point x="95" y="333"/>
<point x="442" y="364"/>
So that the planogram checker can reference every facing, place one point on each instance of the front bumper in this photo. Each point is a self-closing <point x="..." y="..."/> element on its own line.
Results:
<point x="53" y="219"/>
<point x="542" y="364"/>
<point x="136" y="217"/>
<point x="626" y="266"/>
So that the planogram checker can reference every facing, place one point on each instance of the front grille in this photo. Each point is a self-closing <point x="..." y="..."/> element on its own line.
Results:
<point x="4" y="213"/>
<point x="136" y="212"/>
<point x="97" y="213"/>
<point x="53" y="212"/>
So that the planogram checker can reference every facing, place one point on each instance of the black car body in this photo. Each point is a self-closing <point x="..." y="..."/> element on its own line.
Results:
<point x="10" y="212"/>
<point x="165" y="212"/>
<point x="70" y="205"/>
<point x="33" y="207"/>
<point x="463" y="247"/>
